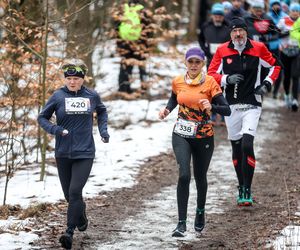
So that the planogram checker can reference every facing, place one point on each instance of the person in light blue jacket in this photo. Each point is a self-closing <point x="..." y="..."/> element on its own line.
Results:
<point x="74" y="106"/>
<point x="276" y="13"/>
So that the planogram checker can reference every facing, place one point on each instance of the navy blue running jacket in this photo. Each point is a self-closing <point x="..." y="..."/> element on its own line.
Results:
<point x="74" y="112"/>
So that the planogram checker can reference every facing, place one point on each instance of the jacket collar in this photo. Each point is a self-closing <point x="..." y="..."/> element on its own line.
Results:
<point x="248" y="44"/>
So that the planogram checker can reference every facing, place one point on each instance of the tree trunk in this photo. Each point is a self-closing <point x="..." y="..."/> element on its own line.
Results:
<point x="192" y="29"/>
<point x="80" y="35"/>
<point x="44" y="67"/>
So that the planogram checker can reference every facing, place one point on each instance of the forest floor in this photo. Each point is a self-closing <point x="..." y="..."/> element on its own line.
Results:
<point x="276" y="191"/>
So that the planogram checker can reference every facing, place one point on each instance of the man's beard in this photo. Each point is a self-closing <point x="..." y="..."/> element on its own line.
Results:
<point x="239" y="43"/>
<point x="218" y="24"/>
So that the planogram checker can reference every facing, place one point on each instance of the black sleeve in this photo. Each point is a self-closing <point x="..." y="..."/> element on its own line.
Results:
<point x="202" y="42"/>
<point x="220" y="105"/>
<point x="172" y="103"/>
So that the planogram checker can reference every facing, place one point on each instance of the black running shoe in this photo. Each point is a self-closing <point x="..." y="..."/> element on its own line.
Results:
<point x="180" y="229"/>
<point x="67" y="238"/>
<point x="295" y="105"/>
<point x="83" y="220"/>
<point x="199" y="220"/>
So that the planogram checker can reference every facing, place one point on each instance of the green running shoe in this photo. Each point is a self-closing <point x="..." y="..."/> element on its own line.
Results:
<point x="240" y="197"/>
<point x="248" y="201"/>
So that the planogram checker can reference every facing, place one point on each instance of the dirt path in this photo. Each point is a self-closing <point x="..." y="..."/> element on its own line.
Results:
<point x="117" y="216"/>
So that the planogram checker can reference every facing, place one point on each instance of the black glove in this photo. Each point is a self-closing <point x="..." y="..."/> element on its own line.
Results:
<point x="105" y="139"/>
<point x="263" y="88"/>
<point x="234" y="79"/>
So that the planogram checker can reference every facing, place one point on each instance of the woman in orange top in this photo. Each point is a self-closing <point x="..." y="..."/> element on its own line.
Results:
<point x="197" y="95"/>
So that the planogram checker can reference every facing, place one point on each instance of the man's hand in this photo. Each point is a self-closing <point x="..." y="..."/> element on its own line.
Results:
<point x="64" y="132"/>
<point x="234" y="79"/>
<point x="263" y="88"/>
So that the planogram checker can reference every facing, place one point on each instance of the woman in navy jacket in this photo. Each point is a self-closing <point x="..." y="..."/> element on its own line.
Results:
<point x="73" y="106"/>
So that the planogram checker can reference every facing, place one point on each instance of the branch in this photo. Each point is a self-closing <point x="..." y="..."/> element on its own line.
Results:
<point x="22" y="41"/>
<point x="74" y="13"/>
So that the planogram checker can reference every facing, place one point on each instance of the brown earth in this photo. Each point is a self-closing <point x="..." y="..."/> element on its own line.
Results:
<point x="277" y="196"/>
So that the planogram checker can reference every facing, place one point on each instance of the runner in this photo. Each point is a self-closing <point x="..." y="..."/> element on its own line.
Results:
<point x="197" y="95"/>
<point x="74" y="105"/>
<point x="237" y="67"/>
<point x="290" y="57"/>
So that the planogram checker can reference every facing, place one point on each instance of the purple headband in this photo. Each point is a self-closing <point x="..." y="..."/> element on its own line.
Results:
<point x="195" y="53"/>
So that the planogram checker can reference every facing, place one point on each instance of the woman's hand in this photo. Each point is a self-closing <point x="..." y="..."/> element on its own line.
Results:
<point x="64" y="132"/>
<point x="163" y="113"/>
<point x="205" y="105"/>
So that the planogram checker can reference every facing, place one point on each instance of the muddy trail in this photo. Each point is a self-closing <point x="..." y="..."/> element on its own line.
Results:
<point x="138" y="217"/>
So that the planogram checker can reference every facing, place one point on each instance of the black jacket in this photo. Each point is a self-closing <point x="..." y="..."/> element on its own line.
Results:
<point x="211" y="35"/>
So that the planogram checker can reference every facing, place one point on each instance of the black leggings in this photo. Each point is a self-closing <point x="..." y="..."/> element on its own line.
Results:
<point x="73" y="175"/>
<point x="288" y="62"/>
<point x="201" y="150"/>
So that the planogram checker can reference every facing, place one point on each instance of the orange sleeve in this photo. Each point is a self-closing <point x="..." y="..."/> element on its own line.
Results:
<point x="175" y="84"/>
<point x="215" y="87"/>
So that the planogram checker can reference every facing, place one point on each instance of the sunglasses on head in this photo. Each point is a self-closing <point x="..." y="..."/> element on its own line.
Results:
<point x="73" y="70"/>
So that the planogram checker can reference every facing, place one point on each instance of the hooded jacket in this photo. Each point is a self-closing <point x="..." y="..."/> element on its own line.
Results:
<point x="74" y="112"/>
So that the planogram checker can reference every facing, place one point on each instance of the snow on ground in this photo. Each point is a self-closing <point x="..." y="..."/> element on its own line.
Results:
<point x="117" y="163"/>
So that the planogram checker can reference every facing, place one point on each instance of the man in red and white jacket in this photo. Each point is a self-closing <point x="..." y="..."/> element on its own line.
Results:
<point x="236" y="66"/>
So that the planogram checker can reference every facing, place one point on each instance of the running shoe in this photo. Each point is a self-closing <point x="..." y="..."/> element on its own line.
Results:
<point x="295" y="105"/>
<point x="248" y="201"/>
<point x="180" y="229"/>
<point x="240" y="197"/>
<point x="67" y="238"/>
<point x="287" y="100"/>
<point x="199" y="220"/>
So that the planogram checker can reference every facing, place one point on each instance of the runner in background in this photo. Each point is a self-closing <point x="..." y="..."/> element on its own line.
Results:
<point x="212" y="34"/>
<point x="197" y="95"/>
<point x="262" y="28"/>
<point x="227" y="7"/>
<point x="237" y="10"/>
<point x="74" y="106"/>
<point x="237" y="67"/>
<point x="276" y="13"/>
<point x="133" y="22"/>
<point x="291" y="56"/>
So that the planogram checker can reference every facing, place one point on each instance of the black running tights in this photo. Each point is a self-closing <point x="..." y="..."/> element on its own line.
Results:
<point x="201" y="151"/>
<point x="73" y="175"/>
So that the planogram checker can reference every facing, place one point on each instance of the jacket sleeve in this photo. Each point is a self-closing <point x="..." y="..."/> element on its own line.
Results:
<point x="220" y="105"/>
<point x="101" y="117"/>
<point x="215" y="67"/>
<point x="172" y="103"/>
<point x="46" y="114"/>
<point x="270" y="61"/>
<point x="202" y="42"/>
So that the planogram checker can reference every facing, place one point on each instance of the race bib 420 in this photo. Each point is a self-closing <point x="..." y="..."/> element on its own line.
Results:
<point x="77" y="105"/>
<point x="186" y="128"/>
